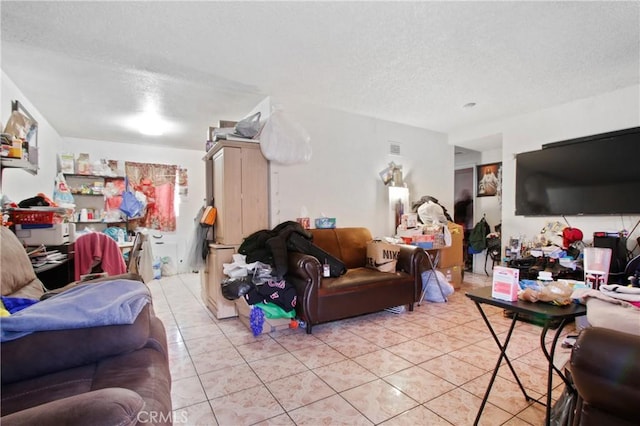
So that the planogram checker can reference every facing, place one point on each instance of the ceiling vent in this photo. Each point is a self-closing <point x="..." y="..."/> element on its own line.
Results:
<point x="394" y="148"/>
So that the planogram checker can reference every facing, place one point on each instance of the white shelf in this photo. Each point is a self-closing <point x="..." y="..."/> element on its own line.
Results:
<point x="19" y="163"/>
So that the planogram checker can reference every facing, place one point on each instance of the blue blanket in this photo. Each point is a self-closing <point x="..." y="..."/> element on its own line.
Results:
<point x="114" y="302"/>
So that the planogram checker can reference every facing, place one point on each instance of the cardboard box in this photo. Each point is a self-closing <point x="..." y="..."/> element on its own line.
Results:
<point x="453" y="256"/>
<point x="382" y="256"/>
<point x="270" y="324"/>
<point x="409" y="220"/>
<point x="456" y="275"/>
<point x="325" y="222"/>
<point x="505" y="283"/>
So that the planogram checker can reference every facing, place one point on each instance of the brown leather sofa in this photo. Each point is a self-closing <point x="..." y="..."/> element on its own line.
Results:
<point x="106" y="375"/>
<point x="361" y="290"/>
<point x="605" y="367"/>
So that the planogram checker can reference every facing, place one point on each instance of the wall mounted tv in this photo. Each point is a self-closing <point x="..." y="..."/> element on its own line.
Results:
<point x="593" y="175"/>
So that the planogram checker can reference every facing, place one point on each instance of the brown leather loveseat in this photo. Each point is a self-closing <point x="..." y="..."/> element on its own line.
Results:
<point x="100" y="375"/>
<point x="361" y="290"/>
<point x="605" y="367"/>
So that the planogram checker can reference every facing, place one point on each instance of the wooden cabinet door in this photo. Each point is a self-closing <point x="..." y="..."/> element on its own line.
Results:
<point x="227" y="191"/>
<point x="221" y="307"/>
<point x="255" y="191"/>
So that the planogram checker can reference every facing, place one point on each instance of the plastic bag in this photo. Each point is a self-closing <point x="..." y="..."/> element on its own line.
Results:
<point x="435" y="293"/>
<point x="168" y="267"/>
<point x="248" y="127"/>
<point x="432" y="213"/>
<point x="157" y="268"/>
<point x="130" y="205"/>
<point x="557" y="293"/>
<point x="285" y="141"/>
<point x="61" y="193"/>
<point x="20" y="126"/>
<point x="233" y="288"/>
<point x="563" y="410"/>
<point x="273" y="311"/>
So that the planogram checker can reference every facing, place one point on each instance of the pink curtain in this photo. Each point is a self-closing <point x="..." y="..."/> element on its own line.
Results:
<point x="157" y="183"/>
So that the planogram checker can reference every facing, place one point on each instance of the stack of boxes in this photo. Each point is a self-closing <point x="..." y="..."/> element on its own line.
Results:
<point x="451" y="262"/>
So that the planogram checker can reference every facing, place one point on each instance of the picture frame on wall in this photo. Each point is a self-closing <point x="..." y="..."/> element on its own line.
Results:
<point x="489" y="178"/>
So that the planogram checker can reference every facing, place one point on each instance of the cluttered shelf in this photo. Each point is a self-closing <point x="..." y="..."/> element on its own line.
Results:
<point x="19" y="141"/>
<point x="18" y="163"/>
<point x="112" y="222"/>
<point x="80" y="175"/>
<point x="53" y="264"/>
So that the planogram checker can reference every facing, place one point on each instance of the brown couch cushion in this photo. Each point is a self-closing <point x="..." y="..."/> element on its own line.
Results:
<point x="112" y="406"/>
<point x="359" y="277"/>
<point x="48" y="351"/>
<point x="347" y="244"/>
<point x="16" y="272"/>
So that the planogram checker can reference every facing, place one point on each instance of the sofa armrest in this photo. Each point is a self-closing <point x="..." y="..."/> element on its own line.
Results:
<point x="45" y="352"/>
<point x="605" y="367"/>
<point x="111" y="406"/>
<point x="413" y="260"/>
<point x="305" y="273"/>
<point x="410" y="259"/>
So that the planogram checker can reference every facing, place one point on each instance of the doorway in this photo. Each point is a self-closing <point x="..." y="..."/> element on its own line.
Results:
<point x="463" y="209"/>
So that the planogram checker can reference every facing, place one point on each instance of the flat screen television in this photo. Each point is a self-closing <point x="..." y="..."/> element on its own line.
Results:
<point x="593" y="175"/>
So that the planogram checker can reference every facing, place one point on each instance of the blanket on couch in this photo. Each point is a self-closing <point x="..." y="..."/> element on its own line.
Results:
<point x="114" y="302"/>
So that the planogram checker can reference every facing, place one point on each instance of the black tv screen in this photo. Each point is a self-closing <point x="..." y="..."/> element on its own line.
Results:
<point x="594" y="175"/>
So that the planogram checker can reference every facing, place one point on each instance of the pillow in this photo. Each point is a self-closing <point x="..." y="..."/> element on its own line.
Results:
<point x="18" y="280"/>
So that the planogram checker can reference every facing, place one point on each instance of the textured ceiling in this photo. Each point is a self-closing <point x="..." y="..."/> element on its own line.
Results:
<point x="90" y="66"/>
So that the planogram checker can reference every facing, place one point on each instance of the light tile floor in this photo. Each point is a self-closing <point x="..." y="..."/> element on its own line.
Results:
<point x="427" y="367"/>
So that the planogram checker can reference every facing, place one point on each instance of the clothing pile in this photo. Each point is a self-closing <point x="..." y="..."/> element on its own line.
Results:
<point x="613" y="306"/>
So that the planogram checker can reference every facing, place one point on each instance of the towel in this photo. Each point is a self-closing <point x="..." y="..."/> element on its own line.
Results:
<point x="87" y="305"/>
<point x="96" y="247"/>
<point x="630" y="294"/>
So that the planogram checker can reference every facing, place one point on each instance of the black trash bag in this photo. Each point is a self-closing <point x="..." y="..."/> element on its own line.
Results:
<point x="563" y="410"/>
<point x="234" y="288"/>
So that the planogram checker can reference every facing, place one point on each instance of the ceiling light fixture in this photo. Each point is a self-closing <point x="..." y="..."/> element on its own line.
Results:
<point x="150" y="124"/>
<point x="469" y="105"/>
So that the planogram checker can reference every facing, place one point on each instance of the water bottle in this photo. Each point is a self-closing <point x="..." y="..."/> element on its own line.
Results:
<point x="448" y="275"/>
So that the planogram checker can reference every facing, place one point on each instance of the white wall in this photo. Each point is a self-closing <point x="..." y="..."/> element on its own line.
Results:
<point x="18" y="184"/>
<point x="342" y="180"/>
<point x="616" y="110"/>
<point x="175" y="243"/>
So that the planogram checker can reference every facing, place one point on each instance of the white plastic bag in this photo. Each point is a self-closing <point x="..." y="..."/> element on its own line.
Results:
<point x="431" y="213"/>
<point x="434" y="292"/>
<point x="168" y="267"/>
<point x="61" y="192"/>
<point x="283" y="140"/>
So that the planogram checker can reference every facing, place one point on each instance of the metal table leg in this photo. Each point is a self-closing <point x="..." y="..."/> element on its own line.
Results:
<point x="503" y="355"/>
<point x="552" y="366"/>
<point x="432" y="266"/>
